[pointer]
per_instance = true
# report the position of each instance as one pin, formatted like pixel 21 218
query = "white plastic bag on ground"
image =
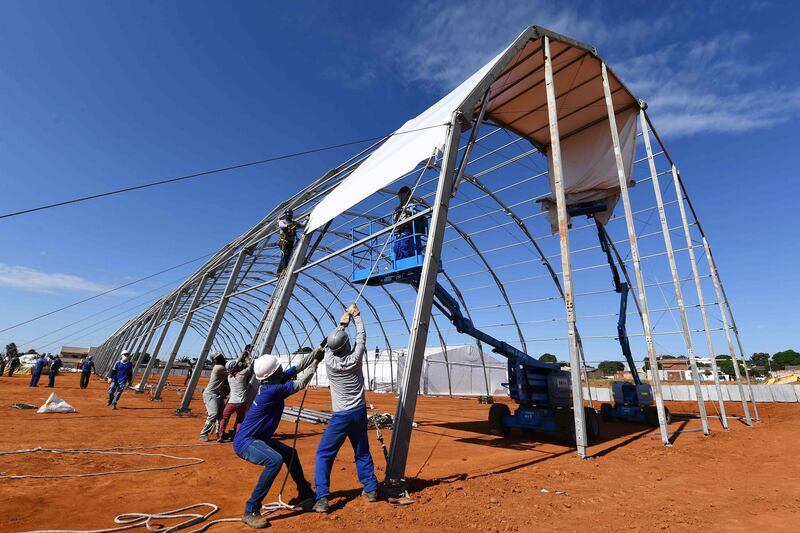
pixel 54 404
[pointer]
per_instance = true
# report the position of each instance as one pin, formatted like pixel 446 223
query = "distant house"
pixel 72 355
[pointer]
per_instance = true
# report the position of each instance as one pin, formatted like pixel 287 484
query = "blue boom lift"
pixel 542 390
pixel 633 402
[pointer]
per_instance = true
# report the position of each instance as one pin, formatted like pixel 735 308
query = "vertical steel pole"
pixel 723 315
pixel 566 261
pixel 151 364
pixel 148 339
pixel 187 320
pixel 267 332
pixel 637 265
pixel 673 267
pixel 723 417
pixel 409 386
pixel 212 330
pixel 736 334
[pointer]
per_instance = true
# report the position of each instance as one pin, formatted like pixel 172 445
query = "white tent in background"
pixel 459 372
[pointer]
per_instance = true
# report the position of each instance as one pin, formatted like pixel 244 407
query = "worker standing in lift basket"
pixel 407 236
pixel 239 373
pixel 254 440
pixel 287 228
pixel 214 396
pixel 349 405
pixel 120 376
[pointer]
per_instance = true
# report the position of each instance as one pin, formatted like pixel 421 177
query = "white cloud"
pixel 691 85
pixel 30 279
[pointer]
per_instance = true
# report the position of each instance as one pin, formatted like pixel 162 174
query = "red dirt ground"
pixel 463 477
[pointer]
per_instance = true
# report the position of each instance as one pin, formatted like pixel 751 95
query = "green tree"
pixel 725 365
pixel 548 358
pixel 31 351
pixel 304 349
pixel 760 359
pixel 608 368
pixel 786 357
pixel 11 350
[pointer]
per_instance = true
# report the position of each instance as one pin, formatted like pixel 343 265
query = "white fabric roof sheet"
pixel 517 103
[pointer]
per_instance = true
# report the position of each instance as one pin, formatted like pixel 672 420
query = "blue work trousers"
pixel 404 246
pixel 351 424
pixel 52 379
pixel 115 390
pixel 35 377
pixel 272 454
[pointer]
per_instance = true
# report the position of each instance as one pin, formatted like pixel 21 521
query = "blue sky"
pixel 100 95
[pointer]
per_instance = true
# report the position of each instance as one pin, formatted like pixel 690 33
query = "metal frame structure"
pixel 495 250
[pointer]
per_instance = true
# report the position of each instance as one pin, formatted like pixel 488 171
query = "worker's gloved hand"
pixel 353 310
pixel 319 355
pixel 345 320
pixel 109 380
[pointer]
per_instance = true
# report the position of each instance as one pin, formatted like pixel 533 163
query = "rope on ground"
pixel 136 520
pixel 105 451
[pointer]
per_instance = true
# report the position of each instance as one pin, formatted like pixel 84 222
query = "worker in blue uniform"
pixel 36 371
pixel 87 367
pixel 55 366
pixel 118 379
pixel 254 440
pixel 408 236
pixel 349 405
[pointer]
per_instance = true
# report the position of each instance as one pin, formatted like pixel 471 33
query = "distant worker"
pixel 36 371
pixel 254 441
pixel 13 365
pixel 288 234
pixel 349 405
pixel 55 365
pixel 119 378
pixel 188 377
pixel 239 374
pixel 87 367
pixel 408 236
pixel 214 396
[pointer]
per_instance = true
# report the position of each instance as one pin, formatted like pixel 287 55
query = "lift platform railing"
pixel 389 257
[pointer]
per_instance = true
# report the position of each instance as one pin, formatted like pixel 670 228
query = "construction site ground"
pixel 462 477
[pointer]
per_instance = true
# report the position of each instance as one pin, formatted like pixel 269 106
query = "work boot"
pixel 109 402
pixel 371 496
pixel 114 406
pixel 203 438
pixel 304 500
pixel 321 506
pixel 255 520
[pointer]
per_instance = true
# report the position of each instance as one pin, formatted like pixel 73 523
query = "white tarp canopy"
pixel 590 167
pixel 517 102
pixel 460 372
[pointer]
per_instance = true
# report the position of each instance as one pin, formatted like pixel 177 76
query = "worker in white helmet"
pixel 254 440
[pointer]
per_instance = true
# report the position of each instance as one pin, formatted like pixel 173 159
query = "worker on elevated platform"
pixel 119 378
pixel 349 405
pixel 254 440
pixel 287 228
pixel 408 241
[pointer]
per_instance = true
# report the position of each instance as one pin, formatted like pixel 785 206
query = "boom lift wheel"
pixel 605 412
pixel 651 415
pixel 496 414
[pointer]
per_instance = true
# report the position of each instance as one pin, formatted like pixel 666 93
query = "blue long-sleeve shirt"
pixel 122 373
pixel 87 365
pixel 264 415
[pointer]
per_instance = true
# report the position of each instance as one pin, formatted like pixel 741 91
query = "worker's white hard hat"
pixel 265 366
pixel 125 352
